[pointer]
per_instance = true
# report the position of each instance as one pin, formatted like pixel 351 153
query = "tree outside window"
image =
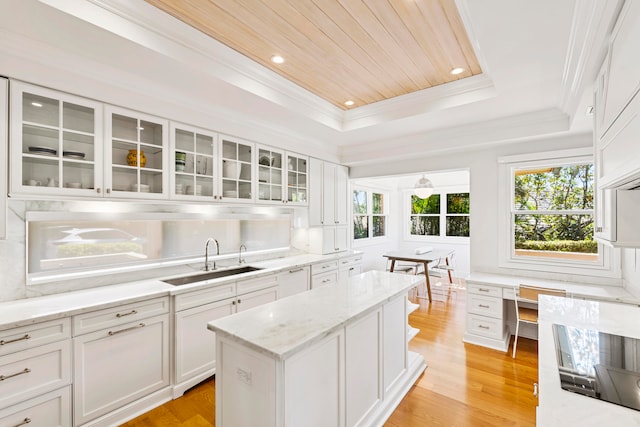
pixel 425 216
pixel 369 215
pixel 458 214
pixel 552 212
pixel 443 215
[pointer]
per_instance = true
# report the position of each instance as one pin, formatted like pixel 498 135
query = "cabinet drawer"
pixel 324 267
pixel 32 372
pixel 25 337
pixel 114 316
pixel 324 279
pixel 486 326
pixel 245 286
pixel 485 306
pixel 490 291
pixel 348 262
pixel 205 296
pixel 49 410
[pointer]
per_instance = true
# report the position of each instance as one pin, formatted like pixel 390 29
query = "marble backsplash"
pixel 13 280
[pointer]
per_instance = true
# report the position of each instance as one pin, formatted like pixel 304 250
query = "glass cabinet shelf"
pixel 194 163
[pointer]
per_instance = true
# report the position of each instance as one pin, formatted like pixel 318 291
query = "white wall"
pixel 483 169
pixel 631 270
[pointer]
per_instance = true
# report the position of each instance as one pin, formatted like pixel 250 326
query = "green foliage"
pixel 430 205
pixel 360 202
pixel 83 249
pixel 458 203
pixel 582 246
pixel 567 188
pixel 360 227
pixel 378 203
pixel 458 226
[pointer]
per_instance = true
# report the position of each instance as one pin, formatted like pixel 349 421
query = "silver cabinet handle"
pixel 483 290
pixel 598 229
pixel 352 268
pixel 25 421
pixel 108 191
pixel 140 325
pixel 296 270
pixel 98 190
pixel 483 327
pixel 233 302
pixel 483 306
pixel 127 314
pixel 239 300
pixel 25 337
pixel 326 280
pixel 6 377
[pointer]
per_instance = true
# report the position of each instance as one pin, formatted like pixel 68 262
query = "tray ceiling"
pixel 363 51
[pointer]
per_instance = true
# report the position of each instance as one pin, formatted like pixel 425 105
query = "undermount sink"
pixel 185 280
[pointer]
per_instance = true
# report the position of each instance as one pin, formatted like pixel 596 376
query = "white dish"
pixel 230 193
pixel 143 188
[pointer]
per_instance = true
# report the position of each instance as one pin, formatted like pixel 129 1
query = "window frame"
pixel 442 237
pixel 369 240
pixel 506 243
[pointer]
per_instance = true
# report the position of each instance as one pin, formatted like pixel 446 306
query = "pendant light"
pixel 423 188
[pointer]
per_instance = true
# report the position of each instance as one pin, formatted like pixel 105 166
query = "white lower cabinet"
pixel 485 317
pixel 394 358
pixel 291 282
pixel 349 266
pixel 117 370
pixel 364 368
pixel 35 374
pixel 52 409
pixel 256 298
pixel 195 351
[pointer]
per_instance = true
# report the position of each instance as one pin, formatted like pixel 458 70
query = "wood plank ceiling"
pixel 360 50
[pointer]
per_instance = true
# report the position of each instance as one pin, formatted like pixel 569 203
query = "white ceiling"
pixel 539 58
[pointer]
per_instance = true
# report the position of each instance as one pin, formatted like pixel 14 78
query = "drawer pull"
pixel 25 421
pixel 326 280
pixel 483 327
pixel 25 337
pixel 352 268
pixel 25 371
pixel 239 301
pixel 483 306
pixel 483 290
pixel 140 325
pixel 296 270
pixel 127 314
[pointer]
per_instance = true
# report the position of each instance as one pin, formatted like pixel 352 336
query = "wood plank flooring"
pixel 464 384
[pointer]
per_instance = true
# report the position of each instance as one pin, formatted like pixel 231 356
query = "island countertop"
pixel 559 407
pixel 284 327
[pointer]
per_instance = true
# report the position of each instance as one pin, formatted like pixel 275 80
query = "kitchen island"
pixel 333 356
pixel 558 407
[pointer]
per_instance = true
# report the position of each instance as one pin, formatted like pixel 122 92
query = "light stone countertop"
pixel 574 289
pixel 558 407
pixel 284 327
pixel 39 309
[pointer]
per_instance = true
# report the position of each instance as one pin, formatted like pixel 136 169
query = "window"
pixel 369 214
pixel 428 218
pixel 546 216
pixel 552 212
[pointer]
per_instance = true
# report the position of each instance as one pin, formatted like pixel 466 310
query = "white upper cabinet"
pixel 56 142
pixel 328 188
pixel 282 176
pixel 136 154
pixel 617 105
pixel 195 164
pixel 238 160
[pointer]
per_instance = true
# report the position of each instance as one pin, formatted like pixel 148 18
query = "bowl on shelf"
pixel 143 188
pixel 73 184
pixel 230 193
pixel 231 169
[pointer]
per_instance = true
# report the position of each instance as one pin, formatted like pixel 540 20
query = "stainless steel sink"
pixel 185 280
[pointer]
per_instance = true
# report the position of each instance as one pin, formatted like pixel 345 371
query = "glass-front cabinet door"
pixel 194 163
pixel 237 169
pixel 56 144
pixel 136 154
pixel 270 175
pixel 297 179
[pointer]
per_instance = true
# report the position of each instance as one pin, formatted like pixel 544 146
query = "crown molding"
pixel 591 28
pixel 473 136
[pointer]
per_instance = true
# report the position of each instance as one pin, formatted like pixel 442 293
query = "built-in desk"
pixel 491 315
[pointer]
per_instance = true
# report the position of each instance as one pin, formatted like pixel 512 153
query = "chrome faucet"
pixel 206 253
pixel 240 260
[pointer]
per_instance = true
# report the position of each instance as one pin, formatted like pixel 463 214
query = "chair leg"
pixel 515 341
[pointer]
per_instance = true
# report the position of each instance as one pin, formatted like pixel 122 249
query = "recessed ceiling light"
pixel 349 103
pixel 456 71
pixel 36 104
pixel 277 59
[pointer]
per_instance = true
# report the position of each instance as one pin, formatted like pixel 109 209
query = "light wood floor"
pixel 464 385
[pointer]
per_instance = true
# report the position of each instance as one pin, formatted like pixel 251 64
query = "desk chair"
pixel 527 306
